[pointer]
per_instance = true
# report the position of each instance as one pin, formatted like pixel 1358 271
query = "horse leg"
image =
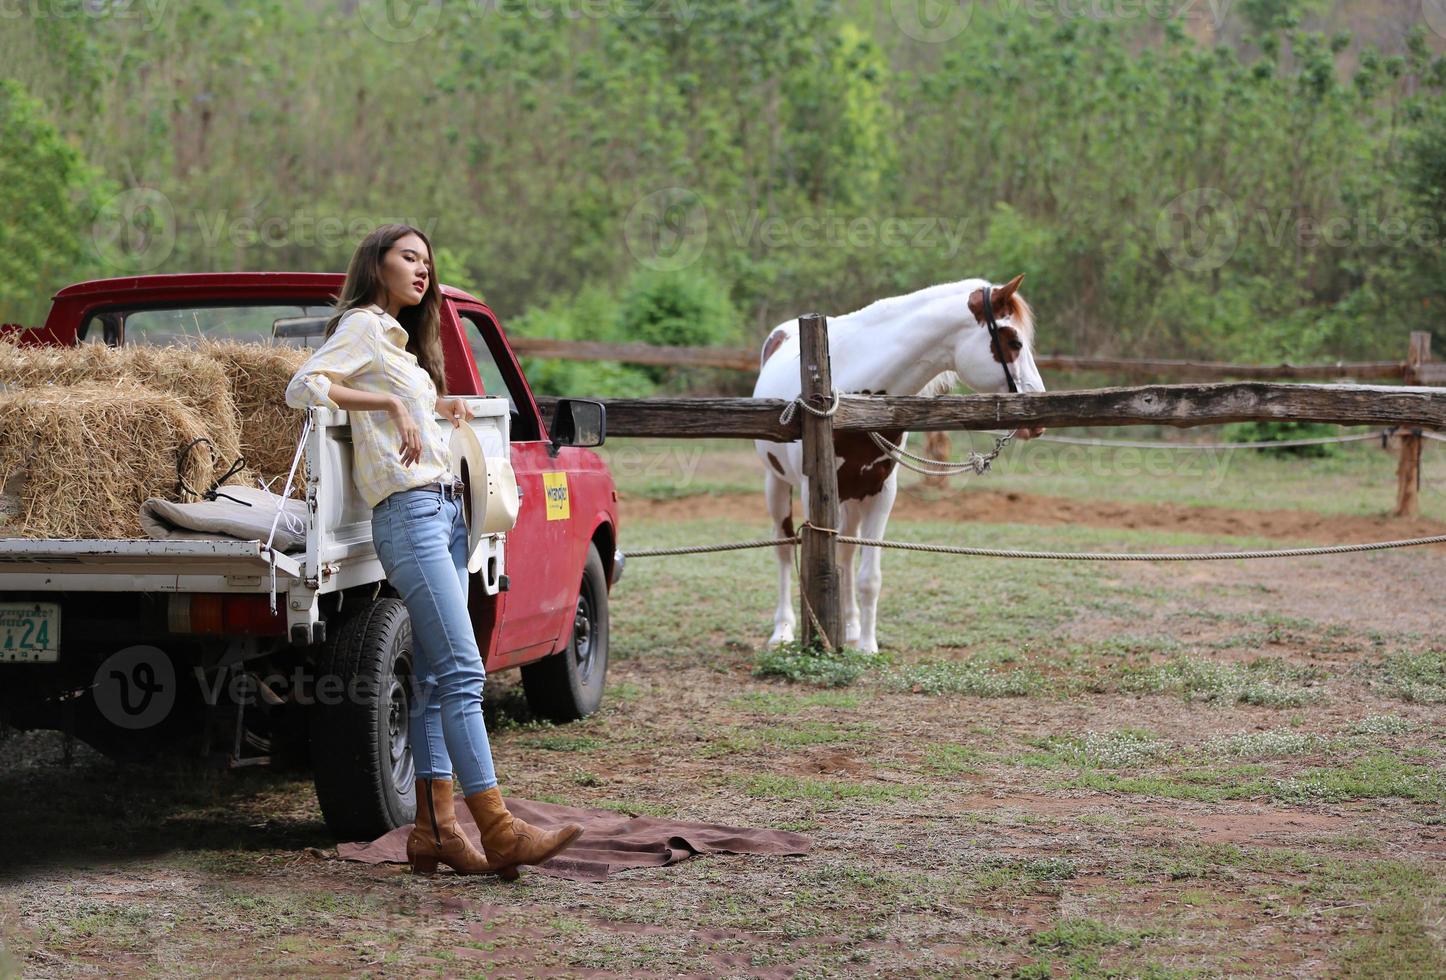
pixel 779 495
pixel 850 514
pixel 871 577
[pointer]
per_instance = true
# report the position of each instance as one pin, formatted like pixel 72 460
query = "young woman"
pixel 382 362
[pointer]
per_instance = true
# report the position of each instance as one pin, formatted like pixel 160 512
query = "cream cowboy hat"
pixel 491 504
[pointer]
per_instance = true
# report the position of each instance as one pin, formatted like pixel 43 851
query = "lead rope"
pixel 976 461
pixel 281 504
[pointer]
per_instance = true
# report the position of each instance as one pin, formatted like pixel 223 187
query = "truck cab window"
pixel 277 324
pixel 496 381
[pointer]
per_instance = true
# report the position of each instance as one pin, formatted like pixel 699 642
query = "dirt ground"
pixel 982 506
pixel 1219 769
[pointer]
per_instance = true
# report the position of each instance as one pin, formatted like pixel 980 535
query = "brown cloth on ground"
pixel 610 841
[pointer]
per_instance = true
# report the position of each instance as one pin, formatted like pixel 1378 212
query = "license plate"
pixel 29 632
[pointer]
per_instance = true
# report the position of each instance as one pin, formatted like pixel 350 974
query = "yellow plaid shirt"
pixel 368 351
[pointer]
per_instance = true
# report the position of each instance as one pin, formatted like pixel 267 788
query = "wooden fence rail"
pixel 1175 405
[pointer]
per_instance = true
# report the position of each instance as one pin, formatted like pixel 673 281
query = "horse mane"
pixel 942 384
pixel 1022 315
pixel 1016 309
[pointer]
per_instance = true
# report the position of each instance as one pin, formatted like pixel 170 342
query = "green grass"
pixel 1014 872
pixel 1093 750
pixel 932 607
pixel 1263 681
pixel 952 759
pixel 1245 765
pixel 969 677
pixel 1268 744
pixel 1383 725
pixel 804 665
pixel 1360 481
pixel 1419 677
pixel 788 703
pixel 1375 775
pixel 1074 934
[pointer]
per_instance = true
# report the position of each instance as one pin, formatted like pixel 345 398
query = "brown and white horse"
pixel 918 344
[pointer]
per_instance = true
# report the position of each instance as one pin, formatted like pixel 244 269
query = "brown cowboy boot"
pixel 509 841
pixel 436 836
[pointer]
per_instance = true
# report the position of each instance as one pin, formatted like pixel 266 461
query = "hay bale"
pixel 258 375
pixel 199 381
pixel 77 461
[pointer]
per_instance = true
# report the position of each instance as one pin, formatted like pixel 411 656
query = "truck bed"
pixel 338 555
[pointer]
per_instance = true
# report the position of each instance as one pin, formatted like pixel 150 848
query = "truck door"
pixel 540 572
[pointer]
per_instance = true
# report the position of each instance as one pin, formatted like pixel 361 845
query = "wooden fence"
pixel 748 418
pixel 1409 406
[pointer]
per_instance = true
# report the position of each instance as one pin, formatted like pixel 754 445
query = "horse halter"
pixel 994 336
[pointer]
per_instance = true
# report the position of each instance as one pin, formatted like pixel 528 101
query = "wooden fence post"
pixel 820 581
pixel 1408 470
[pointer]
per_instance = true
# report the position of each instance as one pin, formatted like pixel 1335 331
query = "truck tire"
pixel 569 685
pixel 360 749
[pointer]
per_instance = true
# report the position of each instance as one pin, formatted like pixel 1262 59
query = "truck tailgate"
pixel 89 564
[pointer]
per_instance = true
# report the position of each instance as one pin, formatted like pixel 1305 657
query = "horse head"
pixel 986 364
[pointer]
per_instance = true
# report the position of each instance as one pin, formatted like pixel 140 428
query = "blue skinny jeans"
pixel 420 537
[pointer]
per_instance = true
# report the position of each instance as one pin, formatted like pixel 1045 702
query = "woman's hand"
pixel 411 435
pixel 455 409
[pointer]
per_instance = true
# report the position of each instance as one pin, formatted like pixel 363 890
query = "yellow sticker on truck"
pixel 554 488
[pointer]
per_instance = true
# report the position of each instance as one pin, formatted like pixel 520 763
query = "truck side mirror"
pixel 577 422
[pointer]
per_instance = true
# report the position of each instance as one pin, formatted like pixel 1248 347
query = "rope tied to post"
pixel 792 407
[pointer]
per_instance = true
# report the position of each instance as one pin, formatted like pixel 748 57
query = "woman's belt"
pixel 454 489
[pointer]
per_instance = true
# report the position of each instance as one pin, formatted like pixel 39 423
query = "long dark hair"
pixel 423 321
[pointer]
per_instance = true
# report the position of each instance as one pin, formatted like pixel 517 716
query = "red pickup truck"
pixel 203 606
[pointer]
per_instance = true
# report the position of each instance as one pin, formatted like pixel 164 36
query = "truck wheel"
pixel 360 751
pixel 569 685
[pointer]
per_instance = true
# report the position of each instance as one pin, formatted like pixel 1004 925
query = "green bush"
pixel 686 308
pixel 590 315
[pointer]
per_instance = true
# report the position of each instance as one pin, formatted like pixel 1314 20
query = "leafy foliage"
pixel 1260 191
